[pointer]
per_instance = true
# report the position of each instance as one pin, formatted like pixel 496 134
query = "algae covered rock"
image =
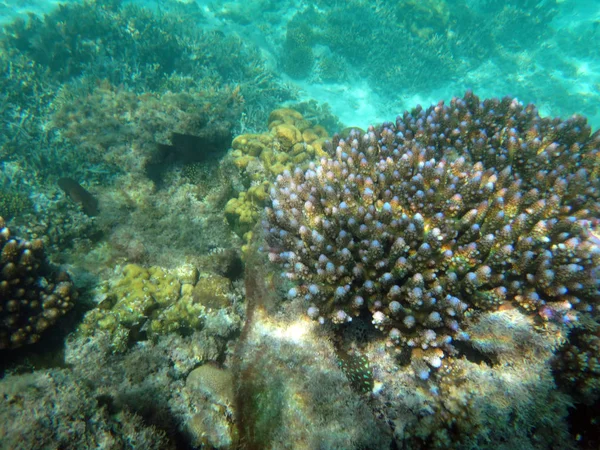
pixel 291 142
pixel 212 291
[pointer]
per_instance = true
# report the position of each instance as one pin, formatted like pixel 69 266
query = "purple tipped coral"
pixel 449 210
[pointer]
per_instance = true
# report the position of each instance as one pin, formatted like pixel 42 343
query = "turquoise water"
pixel 203 244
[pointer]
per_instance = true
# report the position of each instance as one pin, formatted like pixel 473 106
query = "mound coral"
pixel 144 295
pixel 32 296
pixel 291 142
pixel 152 302
pixel 449 211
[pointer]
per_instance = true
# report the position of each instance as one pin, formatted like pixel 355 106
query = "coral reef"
pixel 449 211
pixel 52 409
pixel 291 142
pixel 33 296
pixel 419 46
pixel 441 275
pixel 153 302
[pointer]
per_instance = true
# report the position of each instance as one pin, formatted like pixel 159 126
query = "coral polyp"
pixel 444 213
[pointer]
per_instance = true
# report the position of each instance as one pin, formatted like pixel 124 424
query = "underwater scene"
pixel 292 224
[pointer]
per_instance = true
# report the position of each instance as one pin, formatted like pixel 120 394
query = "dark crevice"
pixel 472 354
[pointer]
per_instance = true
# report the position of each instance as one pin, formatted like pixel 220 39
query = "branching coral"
pixel 450 210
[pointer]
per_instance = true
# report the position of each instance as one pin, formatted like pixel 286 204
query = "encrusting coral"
pixel 449 211
pixel 291 142
pixel 32 296
pixel 159 301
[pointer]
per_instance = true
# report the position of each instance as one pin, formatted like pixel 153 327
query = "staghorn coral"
pixel 33 297
pixel 449 211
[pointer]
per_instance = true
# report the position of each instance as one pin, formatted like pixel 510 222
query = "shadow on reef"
pixel 152 413
pixel 206 147
pixel 584 423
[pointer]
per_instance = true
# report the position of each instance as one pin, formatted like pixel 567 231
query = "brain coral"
pixel 450 210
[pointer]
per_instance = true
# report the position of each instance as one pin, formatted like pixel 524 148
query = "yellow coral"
pixel 291 142
pixel 287 135
pixel 162 301
pixel 241 213
pixel 186 313
pixel 284 115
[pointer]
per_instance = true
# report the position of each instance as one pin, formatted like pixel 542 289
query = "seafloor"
pixel 233 225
